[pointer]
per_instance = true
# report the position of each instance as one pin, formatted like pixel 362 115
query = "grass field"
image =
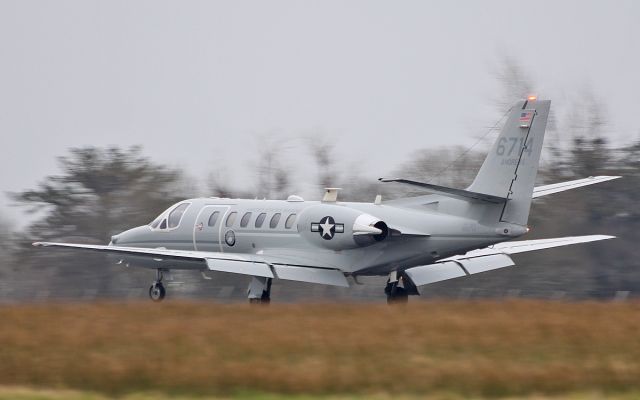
pixel 450 350
pixel 16 393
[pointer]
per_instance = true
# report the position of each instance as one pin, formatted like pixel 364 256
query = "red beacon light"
pixel 532 98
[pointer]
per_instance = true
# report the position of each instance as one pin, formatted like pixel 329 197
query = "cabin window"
pixel 176 215
pixel 290 220
pixel 274 221
pixel 231 219
pixel 213 218
pixel 163 225
pixel 260 220
pixel 245 220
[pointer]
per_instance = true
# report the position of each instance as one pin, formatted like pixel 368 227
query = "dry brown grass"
pixel 467 348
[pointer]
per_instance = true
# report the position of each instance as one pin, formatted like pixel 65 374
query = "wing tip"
pixel 607 237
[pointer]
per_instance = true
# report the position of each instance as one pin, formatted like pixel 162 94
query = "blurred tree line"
pixel 102 191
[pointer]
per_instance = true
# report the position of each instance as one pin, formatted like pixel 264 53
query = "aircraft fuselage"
pixel 323 234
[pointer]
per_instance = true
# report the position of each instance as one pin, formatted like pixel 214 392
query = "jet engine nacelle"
pixel 340 228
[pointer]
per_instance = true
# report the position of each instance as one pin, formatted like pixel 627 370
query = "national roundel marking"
pixel 327 227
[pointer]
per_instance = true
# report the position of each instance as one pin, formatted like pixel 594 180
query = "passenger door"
pixel 208 227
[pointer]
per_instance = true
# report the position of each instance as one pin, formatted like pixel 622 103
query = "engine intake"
pixel 384 231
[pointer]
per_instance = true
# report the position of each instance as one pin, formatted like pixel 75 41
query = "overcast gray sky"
pixel 196 81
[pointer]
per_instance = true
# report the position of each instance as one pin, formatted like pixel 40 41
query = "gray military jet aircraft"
pixel 415 241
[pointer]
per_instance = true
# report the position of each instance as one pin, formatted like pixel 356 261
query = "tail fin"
pixel 511 167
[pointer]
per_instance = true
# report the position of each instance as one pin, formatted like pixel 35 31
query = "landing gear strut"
pixel 398 288
pixel 157 290
pixel 259 291
pixel 395 293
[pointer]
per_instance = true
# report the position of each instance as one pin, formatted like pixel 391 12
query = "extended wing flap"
pixel 475 265
pixel 432 273
pixel 240 267
pixel 561 187
pixel 312 275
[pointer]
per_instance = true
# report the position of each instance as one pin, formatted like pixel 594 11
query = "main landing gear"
pixel 259 291
pixel 399 288
pixel 157 290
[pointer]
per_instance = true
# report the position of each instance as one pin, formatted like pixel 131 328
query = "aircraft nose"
pixel 121 238
pixel 129 236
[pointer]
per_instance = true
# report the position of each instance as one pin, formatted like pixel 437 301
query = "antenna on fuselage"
pixel 330 195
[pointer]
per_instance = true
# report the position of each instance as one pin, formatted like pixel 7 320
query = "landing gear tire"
pixel 398 295
pixel 157 292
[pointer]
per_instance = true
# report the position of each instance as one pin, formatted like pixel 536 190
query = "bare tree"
pixel 514 82
pixel 99 192
pixel 449 166
pixel 218 183
pixel 322 151
pixel 273 171
pixel 7 247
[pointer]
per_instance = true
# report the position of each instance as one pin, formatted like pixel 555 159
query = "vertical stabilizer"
pixel 511 167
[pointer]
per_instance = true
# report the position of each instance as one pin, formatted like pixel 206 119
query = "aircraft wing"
pixel 561 187
pixel 489 258
pixel 246 264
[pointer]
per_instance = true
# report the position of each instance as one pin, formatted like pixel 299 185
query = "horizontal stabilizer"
pixel 450 192
pixel 561 187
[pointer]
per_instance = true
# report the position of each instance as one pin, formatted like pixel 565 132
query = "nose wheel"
pixel 157 291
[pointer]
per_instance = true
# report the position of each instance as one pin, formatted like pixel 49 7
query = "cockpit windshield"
pixel 176 215
pixel 170 218
pixel 156 222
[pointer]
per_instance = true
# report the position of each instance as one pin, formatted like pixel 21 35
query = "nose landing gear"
pixel 157 291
